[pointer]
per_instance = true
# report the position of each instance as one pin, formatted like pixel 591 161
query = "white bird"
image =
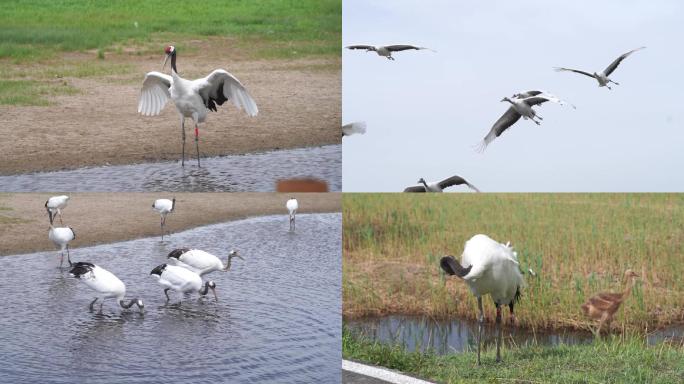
pixel 602 77
pixel 491 269
pixel 292 206
pixel 193 98
pixel 54 206
pixel 438 186
pixel 386 50
pixel 61 236
pixel 201 262
pixel 521 105
pixel 164 207
pixel 181 280
pixel 352 128
pixel 105 283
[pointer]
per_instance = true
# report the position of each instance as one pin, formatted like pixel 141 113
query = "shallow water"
pixel 256 172
pixel 449 336
pixel 277 319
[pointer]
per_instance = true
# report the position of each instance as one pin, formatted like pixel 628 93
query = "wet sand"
pixel 99 218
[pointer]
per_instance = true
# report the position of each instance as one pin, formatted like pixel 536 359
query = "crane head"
pixel 169 49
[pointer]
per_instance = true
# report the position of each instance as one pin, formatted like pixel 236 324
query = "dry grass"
pixel 578 244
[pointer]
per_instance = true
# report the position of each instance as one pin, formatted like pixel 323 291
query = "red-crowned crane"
pixel 386 50
pixel 489 268
pixel 355 127
pixel 602 77
pixel 201 262
pixel 105 283
pixel 164 207
pixel 181 280
pixel 292 206
pixel 439 186
pixel 193 98
pixel 54 206
pixel 521 105
pixel 61 236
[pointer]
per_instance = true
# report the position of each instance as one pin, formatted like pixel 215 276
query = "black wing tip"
pixel 158 270
pixel 80 268
pixel 177 253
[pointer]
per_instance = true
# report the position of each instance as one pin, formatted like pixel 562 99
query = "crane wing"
pixel 505 121
pixel 220 86
pixel 154 93
pixel 617 61
pixel 416 188
pixel 360 46
pixel 402 47
pixel 456 180
pixel 538 92
pixel 561 69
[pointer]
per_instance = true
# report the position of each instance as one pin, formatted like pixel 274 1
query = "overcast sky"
pixel 426 111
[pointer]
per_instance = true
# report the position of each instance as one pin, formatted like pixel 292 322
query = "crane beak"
pixel 214 291
pixel 165 60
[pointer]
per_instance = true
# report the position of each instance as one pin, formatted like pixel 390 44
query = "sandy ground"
pixel 99 218
pixel 299 105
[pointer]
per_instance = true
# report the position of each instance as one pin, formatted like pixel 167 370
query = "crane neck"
pixel 426 186
pixel 173 63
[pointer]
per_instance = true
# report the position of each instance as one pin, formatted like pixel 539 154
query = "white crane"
pixel 352 128
pixel 193 98
pixel 54 206
pixel 438 186
pixel 61 236
pixel 489 268
pixel 105 283
pixel 602 77
pixel 164 207
pixel 201 262
pixel 386 50
pixel 292 206
pixel 521 105
pixel 181 280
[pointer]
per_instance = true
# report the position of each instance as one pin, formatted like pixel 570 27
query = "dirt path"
pixel 108 217
pixel 299 105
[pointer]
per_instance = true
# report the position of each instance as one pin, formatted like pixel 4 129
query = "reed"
pixel 578 245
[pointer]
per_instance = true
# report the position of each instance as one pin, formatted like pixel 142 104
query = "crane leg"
pixel 183 136
pixel 197 145
pixel 499 333
pixel 68 256
pixel 92 303
pixel 479 328
pixel 61 260
pixel 166 292
pixel 59 212
pixel 161 226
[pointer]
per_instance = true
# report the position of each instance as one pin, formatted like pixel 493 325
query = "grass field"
pixel 578 244
pixel 619 359
pixel 36 29
pixel 35 35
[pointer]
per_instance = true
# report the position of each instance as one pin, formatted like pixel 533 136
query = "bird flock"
pixel 183 275
pixel 521 104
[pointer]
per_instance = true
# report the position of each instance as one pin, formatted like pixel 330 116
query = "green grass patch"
pixel 578 244
pixel 31 92
pixel 33 30
pixel 613 360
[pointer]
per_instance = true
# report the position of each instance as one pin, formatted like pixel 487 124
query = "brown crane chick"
pixel 603 306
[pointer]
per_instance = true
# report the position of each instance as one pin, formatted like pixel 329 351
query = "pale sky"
pixel 426 111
